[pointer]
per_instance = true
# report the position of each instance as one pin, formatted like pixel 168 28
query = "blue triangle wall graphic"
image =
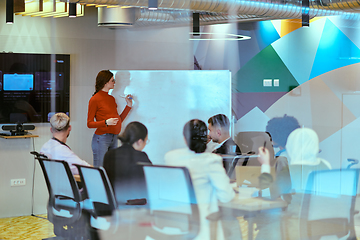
pixel 335 50
pixel 265 33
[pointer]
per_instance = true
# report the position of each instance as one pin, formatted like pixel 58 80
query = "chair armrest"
pixel 66 202
pixel 214 216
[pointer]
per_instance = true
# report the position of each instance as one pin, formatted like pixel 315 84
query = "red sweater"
pixel 102 106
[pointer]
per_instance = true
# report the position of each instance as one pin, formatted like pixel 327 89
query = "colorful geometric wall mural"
pixel 317 70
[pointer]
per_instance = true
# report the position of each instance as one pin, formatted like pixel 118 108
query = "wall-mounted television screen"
pixel 33 86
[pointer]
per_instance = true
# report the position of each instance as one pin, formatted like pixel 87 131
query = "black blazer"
pixel 126 177
pixel 227 148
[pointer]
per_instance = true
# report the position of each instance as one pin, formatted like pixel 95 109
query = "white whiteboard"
pixel 165 100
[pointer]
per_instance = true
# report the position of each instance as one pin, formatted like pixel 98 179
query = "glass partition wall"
pixel 265 75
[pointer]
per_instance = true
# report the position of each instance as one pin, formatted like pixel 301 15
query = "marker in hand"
pixel 124 96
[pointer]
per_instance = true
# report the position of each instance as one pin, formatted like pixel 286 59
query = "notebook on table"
pixel 249 175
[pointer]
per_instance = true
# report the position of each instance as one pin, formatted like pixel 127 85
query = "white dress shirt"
pixel 53 149
pixel 209 179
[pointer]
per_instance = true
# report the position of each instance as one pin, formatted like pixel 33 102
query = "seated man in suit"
pixel 219 126
pixel 56 147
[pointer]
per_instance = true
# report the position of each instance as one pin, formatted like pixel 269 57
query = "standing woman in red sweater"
pixel 103 116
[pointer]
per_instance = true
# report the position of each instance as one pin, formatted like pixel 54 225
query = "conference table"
pixel 244 204
pixel 132 223
pixel 230 161
pixel 77 178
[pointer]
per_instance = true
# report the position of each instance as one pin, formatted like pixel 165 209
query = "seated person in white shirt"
pixel 56 147
pixel 210 181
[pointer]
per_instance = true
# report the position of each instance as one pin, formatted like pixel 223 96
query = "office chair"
pixel 36 156
pixel 172 202
pixel 230 162
pixel 64 208
pixel 99 200
pixel 249 142
pixel 328 205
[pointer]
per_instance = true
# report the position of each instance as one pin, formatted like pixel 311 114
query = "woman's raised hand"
pixel 129 99
pixel 264 156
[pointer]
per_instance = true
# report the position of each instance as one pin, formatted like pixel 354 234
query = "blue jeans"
pixel 100 145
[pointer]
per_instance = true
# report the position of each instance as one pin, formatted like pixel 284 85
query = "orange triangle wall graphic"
pixel 290 25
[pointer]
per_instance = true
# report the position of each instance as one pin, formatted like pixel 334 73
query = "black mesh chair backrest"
pixel 64 197
pixel 98 190
pixel 172 199
pixel 328 204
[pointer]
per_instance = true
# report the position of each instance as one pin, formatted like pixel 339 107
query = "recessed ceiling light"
pixel 218 36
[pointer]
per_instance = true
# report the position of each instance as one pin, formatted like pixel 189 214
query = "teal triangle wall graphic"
pixel 335 50
pixel 265 65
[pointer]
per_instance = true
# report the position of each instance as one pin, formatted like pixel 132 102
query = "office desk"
pixel 250 206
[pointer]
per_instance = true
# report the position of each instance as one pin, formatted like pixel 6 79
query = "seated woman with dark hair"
pixel 207 173
pixel 126 176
